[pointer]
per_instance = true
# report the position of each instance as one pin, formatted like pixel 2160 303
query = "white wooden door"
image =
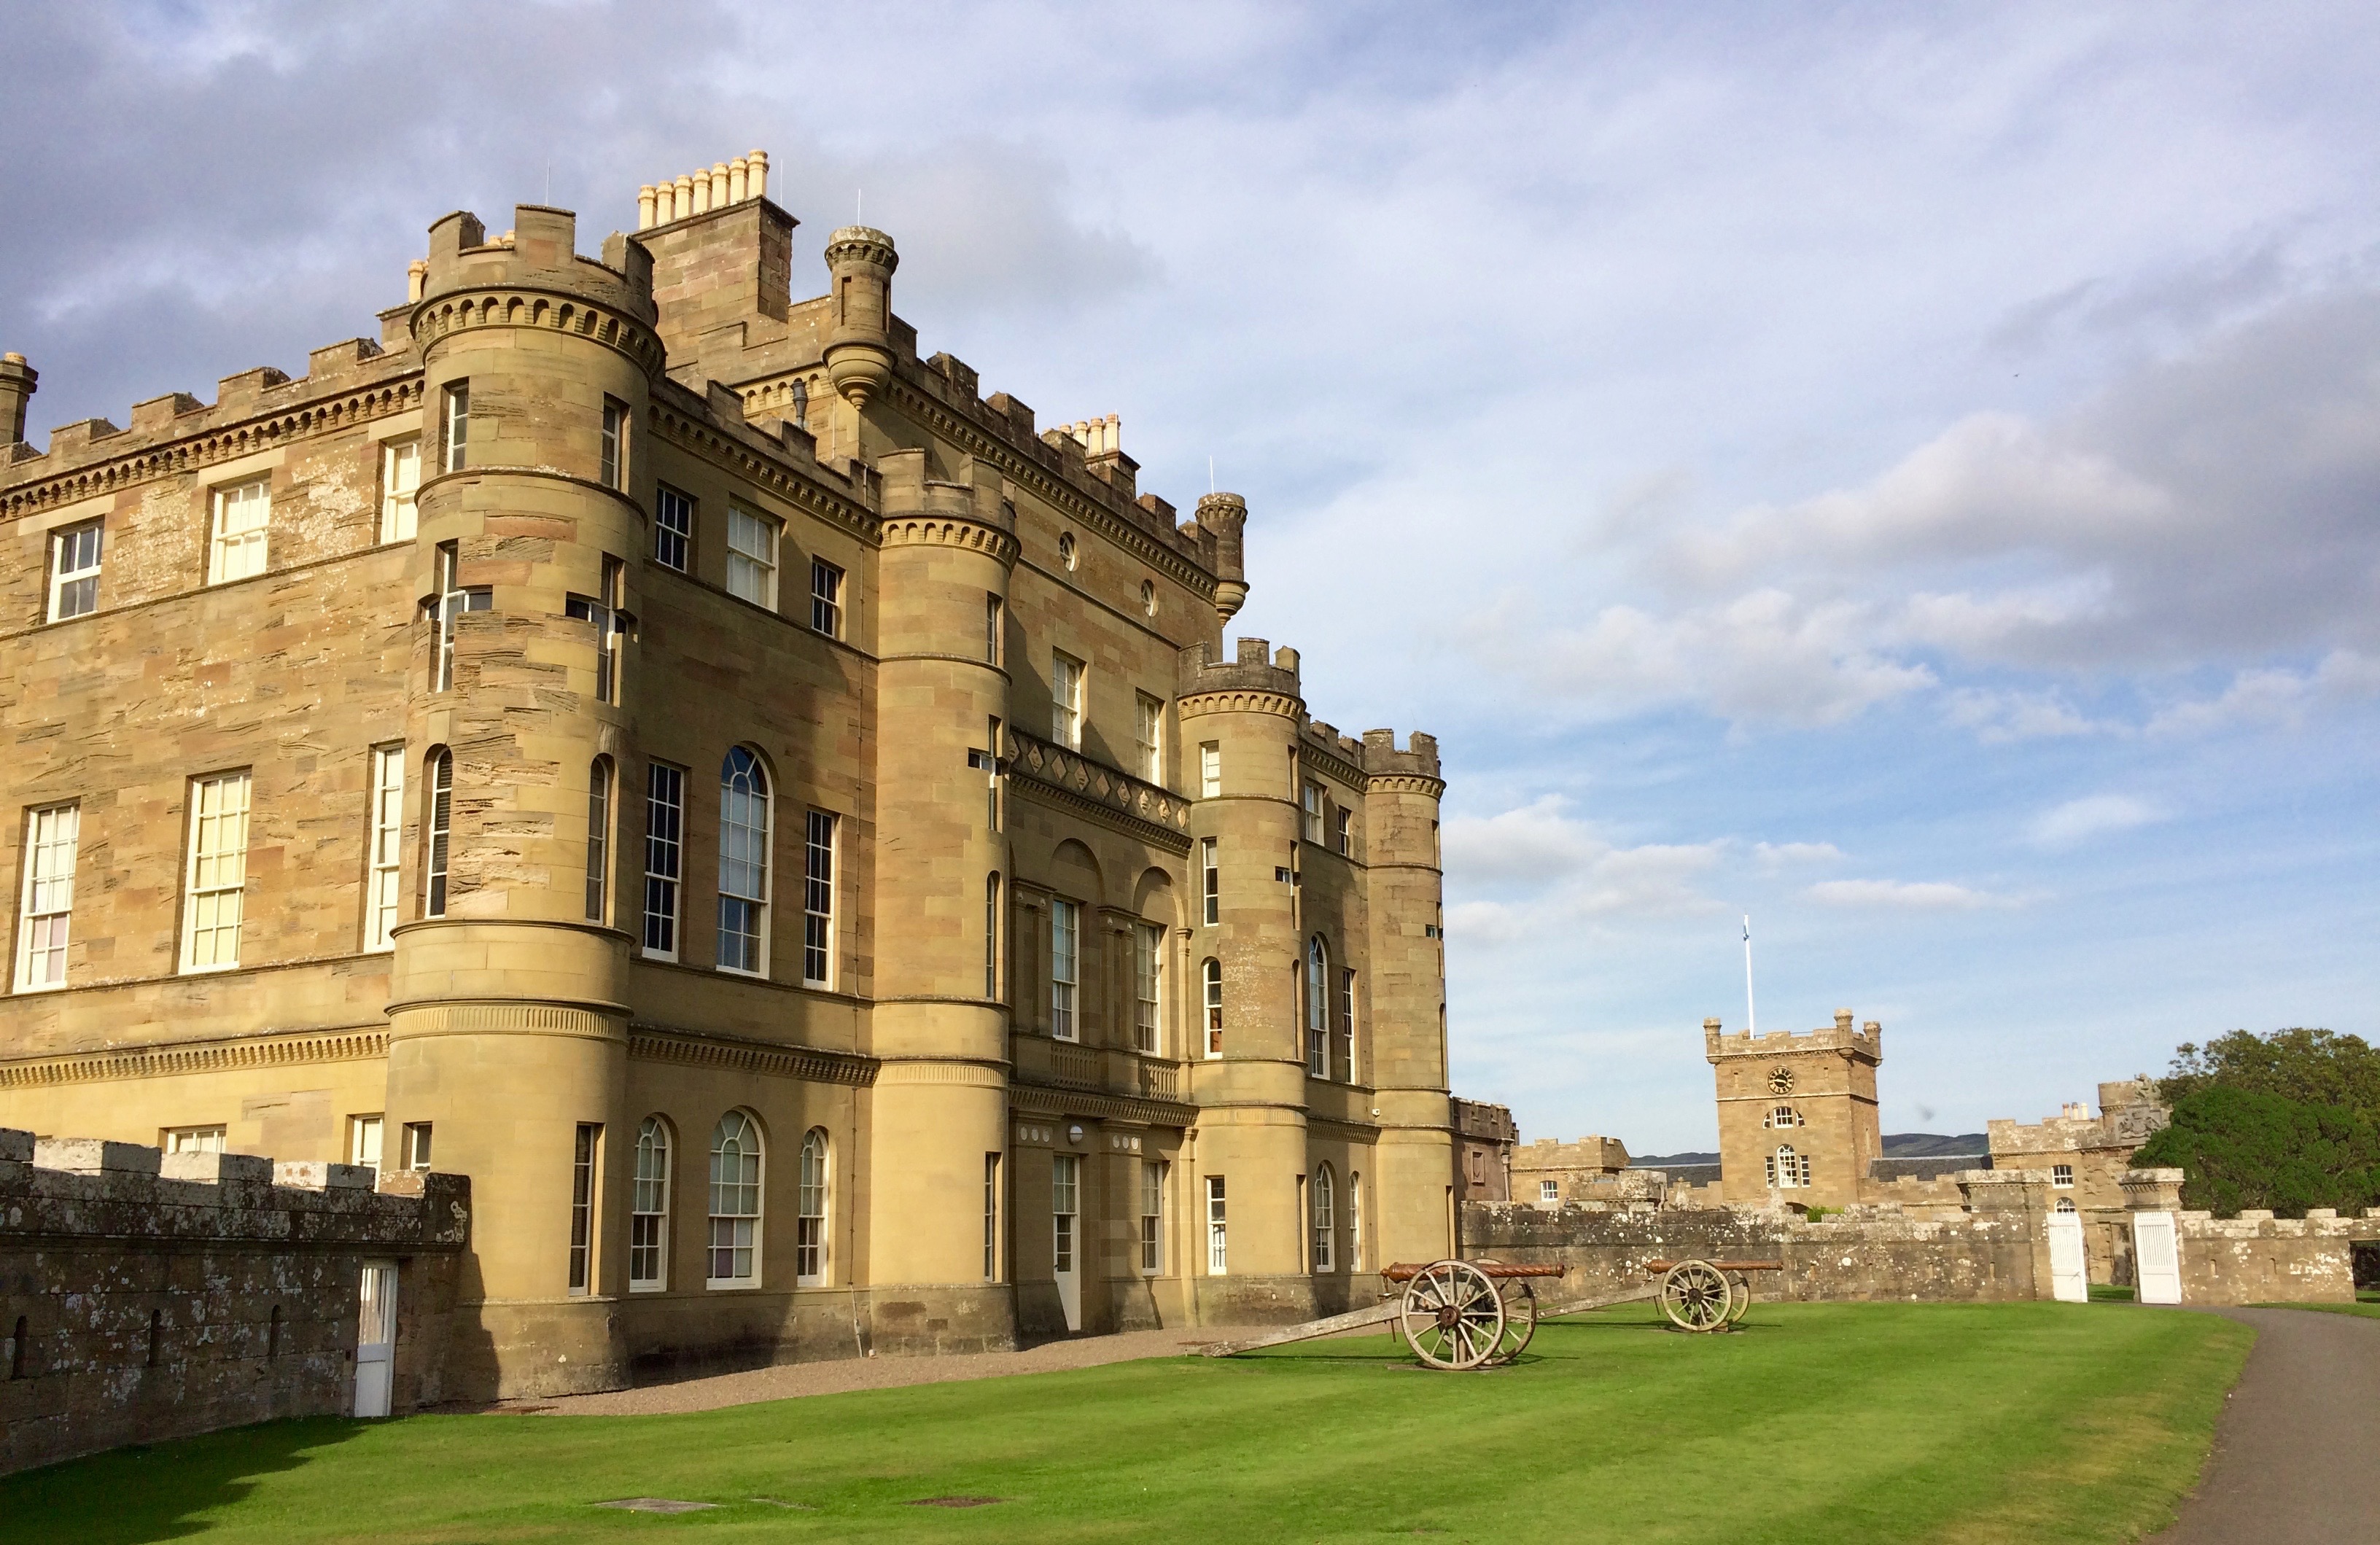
pixel 1065 1193
pixel 2156 1258
pixel 2070 1277
pixel 375 1338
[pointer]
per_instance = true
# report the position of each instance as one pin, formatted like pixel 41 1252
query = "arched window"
pixel 1788 1170
pixel 1212 973
pixel 1325 1219
pixel 439 831
pixel 2065 1204
pixel 743 864
pixel 809 1223
pixel 648 1210
pixel 1317 1008
pixel 734 1202
pixel 598 837
pixel 1781 1116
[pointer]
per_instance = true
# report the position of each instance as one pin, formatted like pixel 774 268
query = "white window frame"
pixel 194 1139
pixel 1210 976
pixel 1148 987
pixel 365 1135
pixel 1066 700
pixel 586 1155
pixel 602 783
pixel 821 835
pixel 664 860
pixel 826 598
pixel 1217 1240
pixel 215 877
pixel 744 842
pixel 383 883
pixel 1210 881
pixel 438 833
pixel 673 528
pixel 239 529
pixel 2062 1177
pixel 1065 1212
pixel 991 1217
pixel 1066 970
pixel 74 569
pixel 1317 1008
pixel 1153 1176
pixel 743 1237
pixel 1210 768
pixel 1355 1220
pixel 1148 738
pixel 813 1189
pixel 649 1207
pixel 1347 1018
pixel 1325 1219
pixel 1311 799
pixel 400 481
pixel 752 557
pixel 417 1144
pixel 611 461
pixel 455 446
pixel 1549 1190
pixel 45 909
pixel 454 599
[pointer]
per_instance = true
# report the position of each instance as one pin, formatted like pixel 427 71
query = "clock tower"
pixel 1797 1116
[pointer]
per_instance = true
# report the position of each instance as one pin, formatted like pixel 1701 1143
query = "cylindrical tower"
pixel 1415 1183
pixel 507 1029
pixel 1251 1089
pixel 939 1110
pixel 860 261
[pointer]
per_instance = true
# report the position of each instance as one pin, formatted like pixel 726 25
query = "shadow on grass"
pixel 130 1496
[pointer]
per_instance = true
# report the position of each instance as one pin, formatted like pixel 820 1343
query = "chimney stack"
pixel 17 380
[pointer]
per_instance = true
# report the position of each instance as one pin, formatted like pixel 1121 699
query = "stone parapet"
pixel 157 1295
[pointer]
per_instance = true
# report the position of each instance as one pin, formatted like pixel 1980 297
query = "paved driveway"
pixel 2297 1453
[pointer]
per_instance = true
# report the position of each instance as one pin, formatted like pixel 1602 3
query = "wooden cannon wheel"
pixel 1696 1296
pixel 1519 1310
pixel 1740 1301
pixel 1453 1315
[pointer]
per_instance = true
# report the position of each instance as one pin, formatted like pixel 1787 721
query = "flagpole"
pixel 1752 1018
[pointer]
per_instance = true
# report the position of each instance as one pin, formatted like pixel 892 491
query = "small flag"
pixel 1747 928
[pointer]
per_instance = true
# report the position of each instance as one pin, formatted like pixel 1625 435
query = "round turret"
pixel 860 260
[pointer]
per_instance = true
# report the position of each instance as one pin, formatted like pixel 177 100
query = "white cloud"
pixel 1546 871
pixel 2079 819
pixel 1924 896
pixel 2267 697
pixel 1999 716
pixel 1778 855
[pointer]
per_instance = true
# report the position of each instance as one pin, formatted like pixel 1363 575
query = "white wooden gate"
pixel 375 1338
pixel 2070 1276
pixel 2156 1258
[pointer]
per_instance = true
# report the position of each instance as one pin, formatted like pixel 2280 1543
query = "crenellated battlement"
pixel 539 254
pixel 1865 1043
pixel 1418 760
pixel 1258 677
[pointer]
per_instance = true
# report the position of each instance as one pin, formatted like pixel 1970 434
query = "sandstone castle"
pixel 788 829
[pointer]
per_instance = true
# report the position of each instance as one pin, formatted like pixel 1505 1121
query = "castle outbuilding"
pixel 1797 1114
pixel 787 827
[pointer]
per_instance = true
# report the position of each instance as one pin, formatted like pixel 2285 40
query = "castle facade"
pixel 787 828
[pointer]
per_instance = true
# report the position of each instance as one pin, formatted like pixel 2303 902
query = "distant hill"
pixel 1927 1145
pixel 1897 1145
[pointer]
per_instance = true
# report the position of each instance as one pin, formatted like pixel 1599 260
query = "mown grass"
pixel 2368 1310
pixel 1833 1423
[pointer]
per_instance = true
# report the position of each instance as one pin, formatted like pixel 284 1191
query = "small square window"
pixel 1550 1190
pixel 2062 1176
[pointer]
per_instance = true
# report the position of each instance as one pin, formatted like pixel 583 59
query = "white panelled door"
pixel 375 1338
pixel 1066 1192
pixel 2156 1258
pixel 2069 1278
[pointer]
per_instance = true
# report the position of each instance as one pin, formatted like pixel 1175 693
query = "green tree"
pixel 2316 1068
pixel 2243 1147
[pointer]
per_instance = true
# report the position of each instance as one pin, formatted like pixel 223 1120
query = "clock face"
pixel 1782 1081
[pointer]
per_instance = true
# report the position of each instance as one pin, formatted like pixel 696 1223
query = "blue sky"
pixel 1908 473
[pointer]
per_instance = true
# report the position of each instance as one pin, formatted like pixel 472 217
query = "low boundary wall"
pixel 144 1296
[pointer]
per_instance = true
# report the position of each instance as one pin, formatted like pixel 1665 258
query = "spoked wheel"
pixel 1453 1316
pixel 1695 1296
pixel 1520 1322
pixel 1739 1298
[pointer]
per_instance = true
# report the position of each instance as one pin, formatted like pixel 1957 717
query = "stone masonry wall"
pixel 145 1296
pixel 2258 1258
pixel 1986 1256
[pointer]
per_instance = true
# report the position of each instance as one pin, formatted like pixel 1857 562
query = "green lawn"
pixel 1833 1423
pixel 2360 1307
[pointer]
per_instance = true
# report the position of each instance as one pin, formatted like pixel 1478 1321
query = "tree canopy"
pixel 2315 1067
pixel 2242 1147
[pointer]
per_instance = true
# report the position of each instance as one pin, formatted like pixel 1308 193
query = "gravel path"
pixel 2297 1452
pixel 837 1376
